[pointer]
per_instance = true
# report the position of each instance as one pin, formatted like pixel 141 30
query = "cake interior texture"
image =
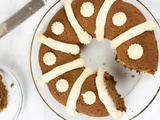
pixel 3 95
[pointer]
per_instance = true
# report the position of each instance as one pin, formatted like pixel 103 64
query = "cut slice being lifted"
pixel 108 94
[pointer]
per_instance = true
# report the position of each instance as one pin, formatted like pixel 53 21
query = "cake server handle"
pixel 21 16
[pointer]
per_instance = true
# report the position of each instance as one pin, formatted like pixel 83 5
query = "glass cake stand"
pixel 15 95
pixel 138 91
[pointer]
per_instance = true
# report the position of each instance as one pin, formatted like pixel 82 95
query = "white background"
pixel 14 54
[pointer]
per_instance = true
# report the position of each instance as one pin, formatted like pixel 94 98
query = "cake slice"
pixel 139 52
pixel 95 87
pixel 108 94
pixel 3 95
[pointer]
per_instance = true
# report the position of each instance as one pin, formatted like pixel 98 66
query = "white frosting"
pixel 104 97
pixel 133 32
pixel 49 58
pixel 62 85
pixel 83 36
pixel 87 9
pixel 135 51
pixel 89 97
pixel 56 45
pixel 119 19
pixel 101 19
pixel 75 92
pixel 57 28
pixel 59 70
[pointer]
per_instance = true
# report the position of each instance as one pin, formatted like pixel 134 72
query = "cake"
pixel 3 95
pixel 72 27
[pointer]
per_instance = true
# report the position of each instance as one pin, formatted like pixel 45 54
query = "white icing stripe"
pixel 59 70
pixel 75 92
pixel 104 97
pixel 56 45
pixel 83 36
pixel 133 32
pixel 101 19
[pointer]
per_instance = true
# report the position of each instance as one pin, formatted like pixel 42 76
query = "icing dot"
pixel 135 51
pixel 49 58
pixel 62 85
pixel 119 19
pixel 89 97
pixel 57 28
pixel 87 9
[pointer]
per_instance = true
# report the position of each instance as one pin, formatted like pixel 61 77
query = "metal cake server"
pixel 21 16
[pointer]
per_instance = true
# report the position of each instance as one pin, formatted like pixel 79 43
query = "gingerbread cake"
pixel 74 26
pixel 3 95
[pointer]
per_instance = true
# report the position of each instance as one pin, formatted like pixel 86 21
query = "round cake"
pixel 72 27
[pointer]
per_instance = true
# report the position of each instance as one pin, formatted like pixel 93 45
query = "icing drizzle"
pixel 104 97
pixel 75 92
pixel 101 19
pixel 56 45
pixel 59 70
pixel 83 36
pixel 133 32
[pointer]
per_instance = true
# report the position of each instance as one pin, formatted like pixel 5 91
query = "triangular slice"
pixel 148 61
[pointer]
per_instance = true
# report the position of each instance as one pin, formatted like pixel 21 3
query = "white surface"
pixel 14 52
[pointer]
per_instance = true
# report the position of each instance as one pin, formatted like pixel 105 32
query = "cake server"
pixel 21 16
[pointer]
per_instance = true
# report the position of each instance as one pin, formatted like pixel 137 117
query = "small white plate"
pixel 138 91
pixel 15 96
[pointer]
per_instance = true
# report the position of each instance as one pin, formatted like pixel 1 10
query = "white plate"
pixel 138 91
pixel 15 95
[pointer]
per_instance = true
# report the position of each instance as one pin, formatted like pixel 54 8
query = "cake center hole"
pixel 97 54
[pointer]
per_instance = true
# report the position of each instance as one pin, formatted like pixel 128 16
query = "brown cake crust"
pixel 3 95
pixel 134 17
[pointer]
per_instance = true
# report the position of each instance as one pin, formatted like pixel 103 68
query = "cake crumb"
pixel 12 85
pixel 133 76
pixel 3 95
pixel 104 64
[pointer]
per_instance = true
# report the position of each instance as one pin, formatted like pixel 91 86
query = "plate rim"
pixel 32 70
pixel 21 93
